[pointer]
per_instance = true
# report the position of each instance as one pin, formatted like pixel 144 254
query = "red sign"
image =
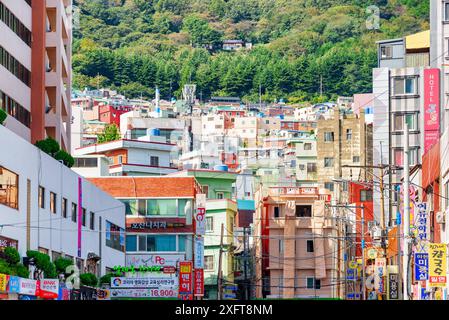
pixel 185 277
pixel 431 107
pixel 169 269
pixel 185 296
pixel 7 242
pixel 199 282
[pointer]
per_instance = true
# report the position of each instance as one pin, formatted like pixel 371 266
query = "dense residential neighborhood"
pixel 112 195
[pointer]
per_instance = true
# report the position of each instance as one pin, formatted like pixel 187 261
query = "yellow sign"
pixel 352 264
pixel 437 264
pixel 3 280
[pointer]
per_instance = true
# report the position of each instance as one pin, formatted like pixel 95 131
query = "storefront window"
pixel 184 207
pixel 165 207
pixel 9 188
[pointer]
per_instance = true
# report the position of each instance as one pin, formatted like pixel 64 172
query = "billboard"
pixel 199 282
pixel 437 265
pixel 143 293
pixel 145 283
pixel 185 277
pixel 431 107
pixel 148 260
pixel 28 287
pixel 49 288
pixel 199 253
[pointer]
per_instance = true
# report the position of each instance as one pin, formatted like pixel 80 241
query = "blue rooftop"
pixel 246 205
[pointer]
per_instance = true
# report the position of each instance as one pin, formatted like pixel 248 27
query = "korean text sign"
pixel 421 266
pixel 437 264
pixel 185 277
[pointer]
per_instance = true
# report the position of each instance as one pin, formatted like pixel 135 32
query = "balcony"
pixel 120 169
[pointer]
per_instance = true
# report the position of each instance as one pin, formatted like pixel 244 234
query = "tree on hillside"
pixel 111 133
pixel 200 32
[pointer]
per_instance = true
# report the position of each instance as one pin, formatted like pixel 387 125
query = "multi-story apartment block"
pixel 341 142
pixel 35 68
pixel 401 84
pixel 296 244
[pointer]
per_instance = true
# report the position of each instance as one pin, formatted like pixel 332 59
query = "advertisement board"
pixel 28 287
pixel 200 215
pixel 3 282
pixel 163 260
pixel 421 266
pixel 199 282
pixel 8 242
pixel 13 284
pixel 146 283
pixel 437 264
pixel 143 293
pixel 431 107
pixel 49 288
pixel 185 277
pixel 103 294
pixel 393 286
pixel 199 253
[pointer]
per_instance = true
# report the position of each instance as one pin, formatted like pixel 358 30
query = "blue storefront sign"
pixel 14 284
pixel 351 274
pixel 424 295
pixel 421 266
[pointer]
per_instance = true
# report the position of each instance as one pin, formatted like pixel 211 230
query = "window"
pixel 311 168
pixel 309 245
pixel 329 186
pixel 161 243
pixel 83 216
pixel 92 221
pixel 182 243
pixel 120 159
pixel 15 67
pixel 162 207
pixel 281 246
pixel 307 146
pixel 328 162
pixel 41 197
pixel 209 224
pixel 184 207
pixel 86 162
pixel 276 212
pixel 313 283
pixel 52 202
pixel 398 154
pixel 115 236
pixel 154 161
pixel 366 195
pixel 14 24
pixel 131 243
pixel 130 206
pixel 303 211
pixel 64 208
pixel 220 195
pixel 74 207
pixel 446 11
pixel 328 136
pixel 13 108
pixel 404 86
pixel 310 282
pixel 356 159
pixel 386 52
pixel 205 190
pixel 348 134
pixel 9 188
pixel 209 263
pixel 398 121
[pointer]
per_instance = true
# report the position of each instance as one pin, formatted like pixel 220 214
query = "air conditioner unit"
pixel 440 217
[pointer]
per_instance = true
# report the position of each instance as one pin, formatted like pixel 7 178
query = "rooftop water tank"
pixel 221 168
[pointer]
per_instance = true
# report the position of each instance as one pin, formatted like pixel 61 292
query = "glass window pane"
pixel 142 243
pixel 151 243
pixel 166 207
pixel 9 188
pixel 182 243
pixel 409 85
pixel 165 243
pixel 130 207
pixel 184 207
pixel 398 86
pixel 131 243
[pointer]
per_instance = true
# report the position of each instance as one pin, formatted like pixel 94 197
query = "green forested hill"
pixel 135 45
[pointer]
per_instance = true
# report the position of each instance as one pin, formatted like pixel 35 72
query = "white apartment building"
pixel 41 205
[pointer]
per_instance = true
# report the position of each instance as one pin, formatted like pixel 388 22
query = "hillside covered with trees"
pixel 135 45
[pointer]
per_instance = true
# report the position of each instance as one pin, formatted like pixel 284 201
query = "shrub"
pixel 3 116
pixel 5 267
pixel 62 264
pixel 22 271
pixel 12 255
pixel 89 279
pixel 43 263
pixel 66 158
pixel 49 146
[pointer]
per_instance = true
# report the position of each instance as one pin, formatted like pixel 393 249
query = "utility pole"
pixel 245 263
pixel 220 273
pixel 406 210
pixel 363 253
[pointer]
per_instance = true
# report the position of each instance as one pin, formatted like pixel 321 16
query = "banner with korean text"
pixel 437 264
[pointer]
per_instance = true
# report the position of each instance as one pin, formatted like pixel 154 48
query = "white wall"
pixel 49 230
pixel 143 156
